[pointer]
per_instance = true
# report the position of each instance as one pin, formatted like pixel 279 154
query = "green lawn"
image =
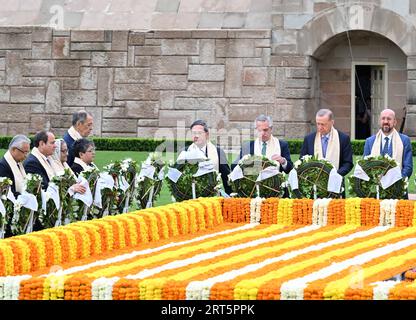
pixel 102 158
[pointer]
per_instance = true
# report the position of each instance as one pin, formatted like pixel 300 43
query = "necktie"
pixel 386 147
pixel 20 167
pixel 324 145
pixel 263 149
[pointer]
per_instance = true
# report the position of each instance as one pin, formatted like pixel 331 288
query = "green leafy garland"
pixel 252 166
pixel 206 185
pixel 312 171
pixel 145 184
pixel 376 168
pixel 21 215
pixel 50 217
pixel 91 175
pixel 5 184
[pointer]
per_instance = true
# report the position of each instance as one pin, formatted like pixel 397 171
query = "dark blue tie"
pixel 324 145
pixel 386 147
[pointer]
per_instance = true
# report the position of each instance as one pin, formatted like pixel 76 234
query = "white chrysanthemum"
pixel 297 164
pixel 306 157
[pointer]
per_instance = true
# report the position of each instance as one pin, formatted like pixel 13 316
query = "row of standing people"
pixel 74 151
pixel 326 143
pixel 49 156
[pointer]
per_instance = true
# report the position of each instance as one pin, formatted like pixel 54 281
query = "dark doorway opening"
pixel 362 101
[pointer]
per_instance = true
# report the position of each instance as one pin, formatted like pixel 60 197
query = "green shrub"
pixel 145 144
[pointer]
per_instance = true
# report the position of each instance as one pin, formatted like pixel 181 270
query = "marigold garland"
pixel 297 239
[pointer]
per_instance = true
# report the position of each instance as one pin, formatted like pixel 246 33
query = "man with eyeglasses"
pixel 200 138
pixel 11 165
pixel 82 125
pixel 84 151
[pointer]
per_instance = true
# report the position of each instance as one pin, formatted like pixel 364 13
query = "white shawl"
pixel 18 171
pixel 74 133
pixel 212 153
pixel 60 167
pixel 332 150
pixel 273 147
pixel 81 163
pixel 397 146
pixel 48 167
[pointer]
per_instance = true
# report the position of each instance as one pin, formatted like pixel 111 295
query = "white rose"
pixel 297 164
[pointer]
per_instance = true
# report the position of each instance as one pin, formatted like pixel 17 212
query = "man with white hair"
pixel 389 141
pixel 329 143
pixel 11 165
pixel 267 145
pixel 82 123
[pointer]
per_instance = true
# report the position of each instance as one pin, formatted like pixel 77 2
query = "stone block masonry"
pixel 140 83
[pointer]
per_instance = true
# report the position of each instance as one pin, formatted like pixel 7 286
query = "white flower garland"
pixel 320 212
pixel 199 289
pixel 255 209
pixel 382 288
pixel 10 286
pixel 293 289
pixel 388 212
pixel 102 288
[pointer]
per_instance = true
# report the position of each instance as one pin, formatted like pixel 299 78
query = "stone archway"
pixel 352 18
pixel 338 62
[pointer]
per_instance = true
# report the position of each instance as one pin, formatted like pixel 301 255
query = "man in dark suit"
pixel 11 164
pixel 82 124
pixel 389 141
pixel 39 161
pixel 267 145
pixel 329 143
pixel 200 137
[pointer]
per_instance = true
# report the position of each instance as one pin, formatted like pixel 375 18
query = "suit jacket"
pixel 224 168
pixel 345 154
pixel 32 165
pixel 248 148
pixel 77 169
pixel 407 165
pixel 6 171
pixel 70 143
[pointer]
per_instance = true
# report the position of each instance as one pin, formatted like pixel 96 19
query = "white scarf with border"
pixel 74 133
pixel 273 147
pixel 60 167
pixel 397 145
pixel 332 150
pixel 83 164
pixel 18 171
pixel 212 153
pixel 48 167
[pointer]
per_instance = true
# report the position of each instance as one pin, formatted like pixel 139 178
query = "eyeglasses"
pixel 197 133
pixel 24 152
pixel 64 151
pixel 92 150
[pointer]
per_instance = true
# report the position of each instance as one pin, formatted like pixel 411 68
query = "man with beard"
pixel 389 141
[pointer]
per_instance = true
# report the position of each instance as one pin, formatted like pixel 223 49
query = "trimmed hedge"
pixel 150 145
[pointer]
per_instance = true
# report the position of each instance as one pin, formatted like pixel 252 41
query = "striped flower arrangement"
pixel 214 248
